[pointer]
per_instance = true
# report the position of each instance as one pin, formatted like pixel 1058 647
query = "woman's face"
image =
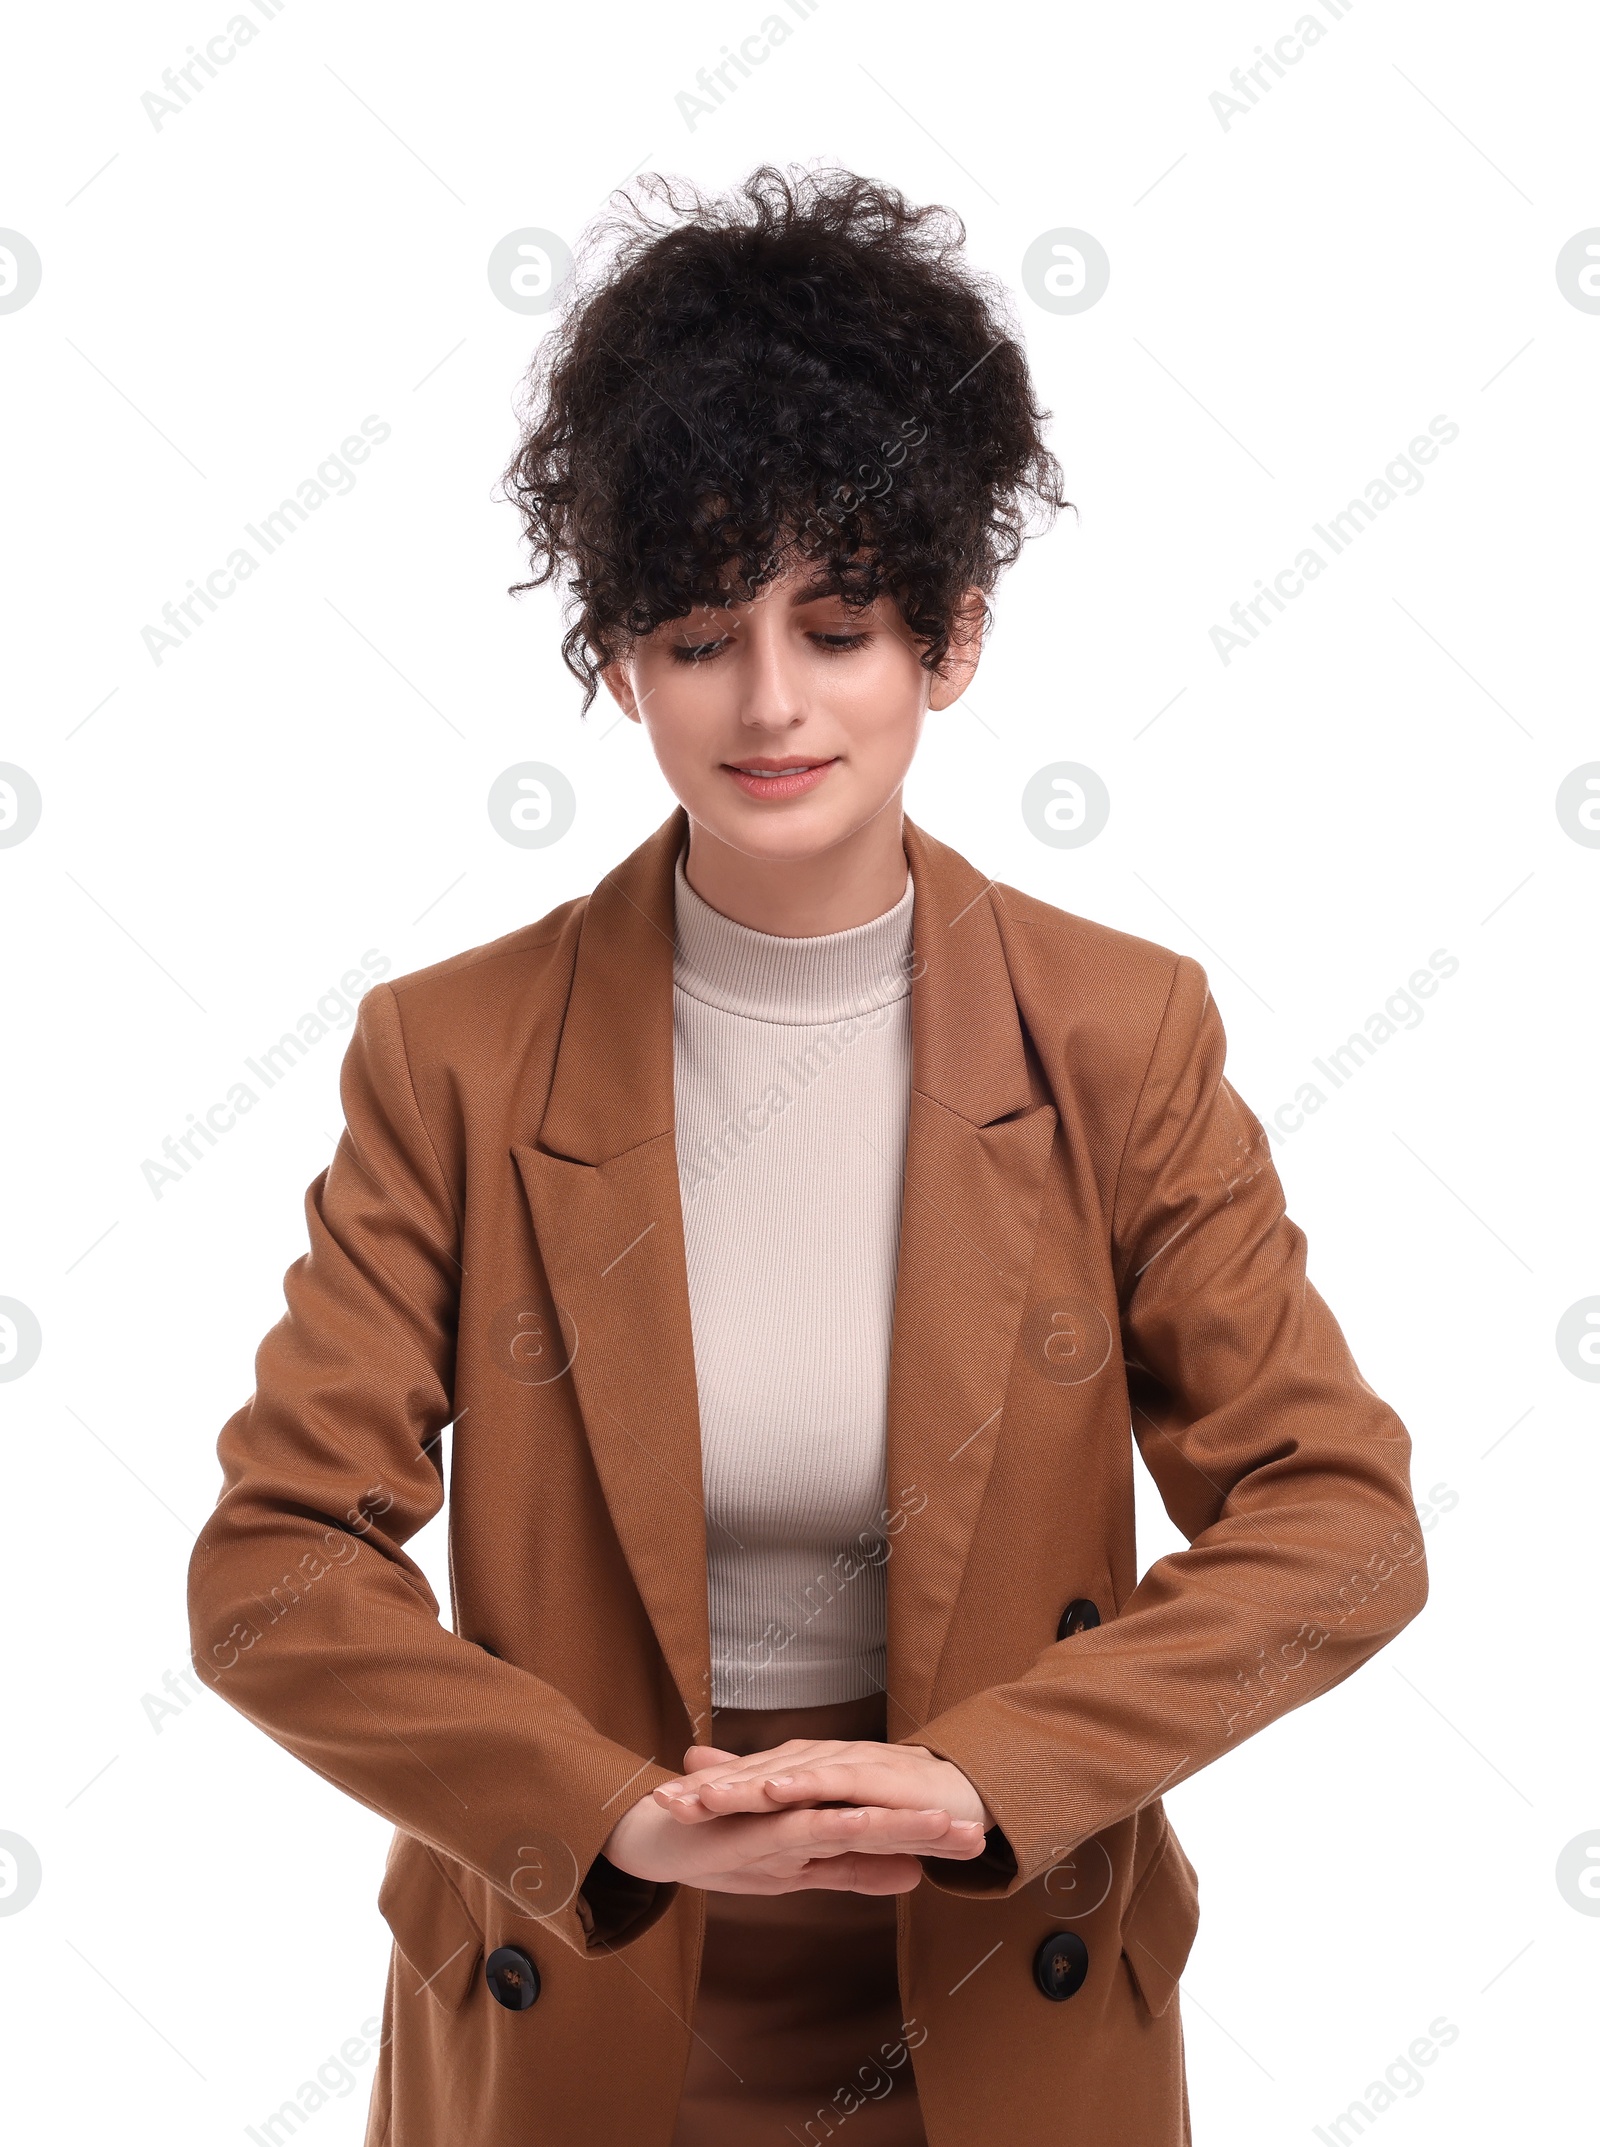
pixel 829 701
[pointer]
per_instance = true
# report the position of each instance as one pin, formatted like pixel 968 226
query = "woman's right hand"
pixel 871 1849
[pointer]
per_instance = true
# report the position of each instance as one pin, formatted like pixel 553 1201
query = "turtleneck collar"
pixel 801 981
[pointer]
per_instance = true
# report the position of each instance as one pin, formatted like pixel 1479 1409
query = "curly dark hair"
pixel 802 366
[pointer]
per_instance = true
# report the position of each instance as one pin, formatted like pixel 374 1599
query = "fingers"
pixel 866 1874
pixel 739 1785
pixel 864 1849
pixel 871 1830
pixel 863 1773
pixel 883 1834
pixel 782 1844
pixel 869 1778
pixel 859 1781
pixel 842 1800
pixel 880 1830
pixel 837 1874
pixel 702 1759
pixel 776 1759
pixel 859 1875
pixel 681 1799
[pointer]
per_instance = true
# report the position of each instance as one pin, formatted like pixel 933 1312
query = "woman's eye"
pixel 708 651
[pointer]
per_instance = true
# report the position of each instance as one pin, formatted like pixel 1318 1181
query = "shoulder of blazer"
pixel 1091 997
pixel 505 964
pixel 480 1029
pixel 535 961
pixel 1058 958
pixel 1093 1003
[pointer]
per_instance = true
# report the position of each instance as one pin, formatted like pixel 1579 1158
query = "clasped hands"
pixel 852 1817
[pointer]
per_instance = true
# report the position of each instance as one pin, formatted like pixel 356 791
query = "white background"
pixel 1292 299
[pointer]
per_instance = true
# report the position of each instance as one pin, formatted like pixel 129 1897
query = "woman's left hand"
pixel 821 1771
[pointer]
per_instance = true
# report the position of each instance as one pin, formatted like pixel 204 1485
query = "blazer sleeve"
pixel 305 1611
pixel 1284 1470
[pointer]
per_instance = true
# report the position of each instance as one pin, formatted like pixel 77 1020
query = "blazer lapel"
pixel 977 1149
pixel 602 1185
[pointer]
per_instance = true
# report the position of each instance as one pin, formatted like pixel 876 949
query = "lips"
pixel 764 776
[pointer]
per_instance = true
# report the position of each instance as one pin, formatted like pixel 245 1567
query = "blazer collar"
pixel 966 1052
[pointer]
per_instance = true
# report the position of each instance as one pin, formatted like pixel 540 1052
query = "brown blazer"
pixel 1093 1234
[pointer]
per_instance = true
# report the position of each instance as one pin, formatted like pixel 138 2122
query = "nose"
pixel 774 697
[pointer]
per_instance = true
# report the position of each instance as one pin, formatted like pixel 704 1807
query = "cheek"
pixel 878 697
pixel 681 705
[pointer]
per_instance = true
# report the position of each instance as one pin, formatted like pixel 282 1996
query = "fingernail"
pixel 780 1781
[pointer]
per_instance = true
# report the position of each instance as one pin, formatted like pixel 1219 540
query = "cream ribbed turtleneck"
pixel 792 1085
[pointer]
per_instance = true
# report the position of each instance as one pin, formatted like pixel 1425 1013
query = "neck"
pixel 830 890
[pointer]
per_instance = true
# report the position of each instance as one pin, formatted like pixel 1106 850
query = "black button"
pixel 1061 1964
pixel 512 1978
pixel 1080 1616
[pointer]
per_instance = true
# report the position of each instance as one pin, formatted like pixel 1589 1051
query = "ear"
pixel 955 673
pixel 620 687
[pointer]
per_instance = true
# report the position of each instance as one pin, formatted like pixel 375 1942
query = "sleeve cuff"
pixel 985 1877
pixel 615 1908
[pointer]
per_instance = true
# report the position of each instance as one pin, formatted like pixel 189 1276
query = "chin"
pixel 790 834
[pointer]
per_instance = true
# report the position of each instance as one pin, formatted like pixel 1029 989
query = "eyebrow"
pixel 821 584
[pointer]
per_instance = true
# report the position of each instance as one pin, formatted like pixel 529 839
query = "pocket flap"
pixel 1159 1924
pixel 436 1935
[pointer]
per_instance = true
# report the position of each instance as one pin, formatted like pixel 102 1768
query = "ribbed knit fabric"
pixel 792 1090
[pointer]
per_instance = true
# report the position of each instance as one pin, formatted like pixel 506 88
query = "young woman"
pixel 791 1231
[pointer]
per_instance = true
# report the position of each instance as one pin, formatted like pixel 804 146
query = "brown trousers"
pixel 797 2024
